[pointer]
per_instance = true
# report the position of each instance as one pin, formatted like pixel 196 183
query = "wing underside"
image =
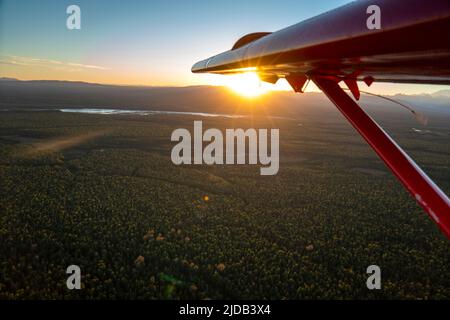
pixel 412 45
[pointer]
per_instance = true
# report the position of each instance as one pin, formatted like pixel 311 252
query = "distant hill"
pixel 65 94
pixel 58 94
pixel 8 79
pixel 442 93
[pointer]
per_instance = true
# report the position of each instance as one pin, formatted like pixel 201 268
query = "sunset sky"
pixel 141 42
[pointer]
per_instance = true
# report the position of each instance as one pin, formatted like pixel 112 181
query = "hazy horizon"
pixel 310 89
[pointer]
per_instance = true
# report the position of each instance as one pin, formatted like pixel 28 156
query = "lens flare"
pixel 245 84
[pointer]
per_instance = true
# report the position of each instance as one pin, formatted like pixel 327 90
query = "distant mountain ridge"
pixel 441 93
pixel 16 93
pixel 8 79
pixel 57 94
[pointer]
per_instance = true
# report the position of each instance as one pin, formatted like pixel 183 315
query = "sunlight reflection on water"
pixel 146 112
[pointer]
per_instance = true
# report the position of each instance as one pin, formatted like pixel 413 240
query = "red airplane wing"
pixel 412 46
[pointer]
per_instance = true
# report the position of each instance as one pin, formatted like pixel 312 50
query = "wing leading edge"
pixel 412 45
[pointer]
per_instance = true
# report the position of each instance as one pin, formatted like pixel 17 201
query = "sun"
pixel 245 84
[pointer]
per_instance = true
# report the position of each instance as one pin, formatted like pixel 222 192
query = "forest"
pixel 101 192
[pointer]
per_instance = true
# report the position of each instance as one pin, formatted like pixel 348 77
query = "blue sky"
pixel 152 42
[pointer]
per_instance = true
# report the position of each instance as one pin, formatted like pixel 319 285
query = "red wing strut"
pixel 422 188
pixel 412 46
